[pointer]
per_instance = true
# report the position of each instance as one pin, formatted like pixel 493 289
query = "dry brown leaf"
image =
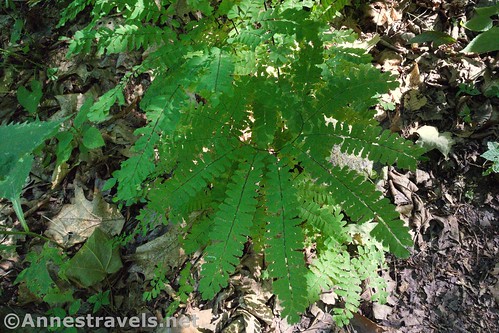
pixel 152 254
pixel 203 318
pixel 414 100
pixel 257 307
pixel 413 80
pixel 77 221
pixel 383 14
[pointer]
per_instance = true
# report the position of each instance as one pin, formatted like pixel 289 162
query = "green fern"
pixel 285 240
pixel 231 226
pixel 247 103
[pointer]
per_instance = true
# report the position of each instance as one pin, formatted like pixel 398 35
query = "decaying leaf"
pixel 414 100
pixel 430 138
pixel 203 318
pixel 255 305
pixel 77 221
pixel 413 80
pixel 152 254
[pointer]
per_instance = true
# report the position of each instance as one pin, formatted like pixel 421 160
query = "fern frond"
pixel 339 57
pixel 162 104
pixel 373 143
pixel 266 115
pixel 189 178
pixel 237 145
pixel 203 6
pixel 145 11
pixel 216 79
pixel 231 226
pixel 326 220
pixel 70 12
pixel 132 37
pixel 367 264
pixel 356 87
pixel 333 269
pixel 100 110
pixel 285 241
pixel 360 199
pixel 199 225
pixel 329 9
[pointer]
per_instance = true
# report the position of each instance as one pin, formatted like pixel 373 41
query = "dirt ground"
pixel 450 283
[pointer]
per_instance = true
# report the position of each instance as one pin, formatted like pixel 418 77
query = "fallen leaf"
pixel 96 259
pixel 381 311
pixel 77 221
pixel 151 254
pixel 413 80
pixel 203 318
pixel 430 138
pixel 257 307
pixel 414 100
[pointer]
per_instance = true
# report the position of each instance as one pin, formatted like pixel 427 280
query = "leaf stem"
pixel 32 234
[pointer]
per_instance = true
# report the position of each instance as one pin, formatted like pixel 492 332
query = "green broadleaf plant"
pixel 492 155
pixel 482 19
pixel 98 300
pixel 30 99
pixel 94 262
pixel 37 276
pixel 488 39
pixel 16 158
pixel 81 134
pixel 247 102
pixel 436 37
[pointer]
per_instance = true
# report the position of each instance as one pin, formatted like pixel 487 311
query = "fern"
pixel 329 9
pixel 247 103
pixel 231 227
pixel 334 269
pixel 285 241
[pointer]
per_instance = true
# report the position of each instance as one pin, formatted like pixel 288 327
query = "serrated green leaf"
pixel 36 275
pixel 21 139
pixel 74 307
pixel 100 110
pixel 58 297
pixel 18 142
pixel 81 117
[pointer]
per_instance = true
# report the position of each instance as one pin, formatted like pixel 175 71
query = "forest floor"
pixel 450 283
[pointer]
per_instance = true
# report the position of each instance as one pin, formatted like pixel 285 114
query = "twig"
pixel 32 234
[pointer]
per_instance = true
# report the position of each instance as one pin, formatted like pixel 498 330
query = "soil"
pixel 450 283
